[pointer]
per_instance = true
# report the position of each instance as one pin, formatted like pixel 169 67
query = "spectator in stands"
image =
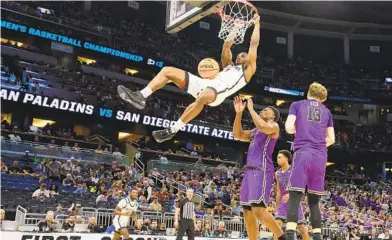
pixel 93 227
pixel 66 147
pixel 75 147
pixel 68 226
pixel 143 205
pixel 208 233
pixel 14 169
pixel 41 193
pixel 74 209
pixel 68 166
pixel 103 197
pixel 117 152
pixel 237 209
pixel 81 188
pixel 147 190
pixel 14 137
pixel 221 232
pixel 68 181
pixel 4 167
pixel 155 205
pixel 199 210
pixel 79 219
pixel 47 224
pixel 59 210
pixel 27 170
pixel 55 169
pixel 154 230
pixel 198 229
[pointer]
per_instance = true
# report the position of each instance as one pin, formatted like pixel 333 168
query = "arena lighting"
pixel 279 102
pixel 246 96
pixel 130 71
pixel 85 60
pixel 329 164
pixel 42 122
pixel 122 135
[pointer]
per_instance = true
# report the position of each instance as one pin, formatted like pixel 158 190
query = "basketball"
pixel 208 68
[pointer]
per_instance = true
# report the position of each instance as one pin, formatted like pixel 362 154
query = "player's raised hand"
pixel 239 105
pixel 250 103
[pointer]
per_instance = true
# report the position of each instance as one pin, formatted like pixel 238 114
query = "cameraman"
pixel 351 234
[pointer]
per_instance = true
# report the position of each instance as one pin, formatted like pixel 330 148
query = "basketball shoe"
pixel 163 135
pixel 134 98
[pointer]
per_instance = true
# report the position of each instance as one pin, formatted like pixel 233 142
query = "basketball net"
pixel 237 16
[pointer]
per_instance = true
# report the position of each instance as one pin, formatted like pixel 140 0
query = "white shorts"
pixel 120 222
pixel 195 85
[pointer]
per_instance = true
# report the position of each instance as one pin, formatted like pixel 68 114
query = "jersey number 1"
pixel 314 114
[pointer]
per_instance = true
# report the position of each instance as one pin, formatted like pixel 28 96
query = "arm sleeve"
pixel 293 109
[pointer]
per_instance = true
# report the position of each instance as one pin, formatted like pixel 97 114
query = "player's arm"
pixel 238 133
pixel 330 138
pixel 119 207
pixel 290 124
pixel 177 212
pixel 262 126
pixel 291 118
pixel 254 43
pixel 277 197
pixel 134 217
pixel 194 219
pixel 226 56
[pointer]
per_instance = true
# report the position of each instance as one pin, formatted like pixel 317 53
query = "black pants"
pixel 188 226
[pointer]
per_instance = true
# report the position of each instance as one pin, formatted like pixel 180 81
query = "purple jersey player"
pixel 282 177
pixel 259 172
pixel 312 124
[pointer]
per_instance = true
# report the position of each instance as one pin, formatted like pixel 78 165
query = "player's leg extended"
pixel 261 213
pixel 251 225
pixel 124 233
pixel 138 99
pixel 205 97
pixel 315 190
pixel 297 185
pixel 303 229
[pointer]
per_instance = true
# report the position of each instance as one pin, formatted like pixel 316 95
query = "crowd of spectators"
pixel 367 206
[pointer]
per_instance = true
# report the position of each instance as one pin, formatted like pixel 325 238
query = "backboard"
pixel 180 14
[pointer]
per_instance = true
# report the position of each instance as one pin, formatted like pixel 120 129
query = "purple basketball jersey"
pixel 257 182
pixel 312 121
pixel 260 150
pixel 283 179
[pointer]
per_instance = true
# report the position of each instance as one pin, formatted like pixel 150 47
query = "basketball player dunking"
pixel 125 209
pixel 312 124
pixel 259 172
pixel 282 177
pixel 210 92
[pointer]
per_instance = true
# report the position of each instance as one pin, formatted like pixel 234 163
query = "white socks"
pixel 177 126
pixel 146 92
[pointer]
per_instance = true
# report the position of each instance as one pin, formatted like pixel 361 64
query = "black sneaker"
pixel 134 98
pixel 163 135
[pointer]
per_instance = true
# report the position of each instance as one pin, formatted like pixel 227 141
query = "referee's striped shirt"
pixel 187 208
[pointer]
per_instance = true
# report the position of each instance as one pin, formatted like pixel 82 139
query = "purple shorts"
pixel 256 187
pixel 283 209
pixel 308 170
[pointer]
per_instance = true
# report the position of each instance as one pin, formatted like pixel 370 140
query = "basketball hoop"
pixel 237 16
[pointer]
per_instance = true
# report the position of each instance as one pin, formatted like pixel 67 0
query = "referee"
pixel 185 212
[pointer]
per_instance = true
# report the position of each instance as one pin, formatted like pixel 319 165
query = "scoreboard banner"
pixel 131 117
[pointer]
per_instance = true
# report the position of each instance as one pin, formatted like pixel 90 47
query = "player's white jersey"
pixel 229 81
pixel 233 77
pixel 126 205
